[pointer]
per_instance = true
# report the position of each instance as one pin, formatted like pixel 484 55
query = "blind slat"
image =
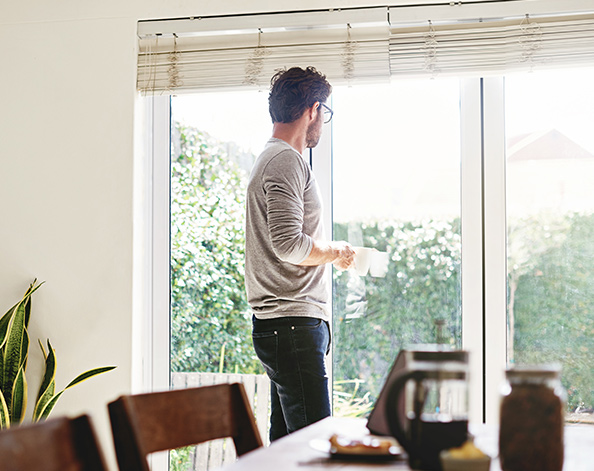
pixel 499 47
pixel 207 64
pixel 365 53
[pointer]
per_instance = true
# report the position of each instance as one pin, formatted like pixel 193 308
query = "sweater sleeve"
pixel 284 180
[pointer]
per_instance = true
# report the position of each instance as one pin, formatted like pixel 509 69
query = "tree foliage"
pixel 376 317
pixel 554 302
pixel 211 323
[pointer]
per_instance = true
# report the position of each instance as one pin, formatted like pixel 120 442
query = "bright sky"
pixel 241 117
pixel 563 100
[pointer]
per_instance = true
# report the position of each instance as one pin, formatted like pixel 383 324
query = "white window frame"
pixel 156 328
pixel 483 259
pixel 472 267
pixel 158 345
pixel 495 240
pixel 484 247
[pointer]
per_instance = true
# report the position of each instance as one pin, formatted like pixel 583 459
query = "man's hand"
pixel 346 256
pixel 341 254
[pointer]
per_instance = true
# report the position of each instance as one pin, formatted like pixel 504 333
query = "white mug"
pixel 372 261
pixel 378 266
pixel 362 260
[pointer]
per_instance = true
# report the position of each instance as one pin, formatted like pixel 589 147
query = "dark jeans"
pixel 292 351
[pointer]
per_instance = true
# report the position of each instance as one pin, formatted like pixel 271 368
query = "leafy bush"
pixel 554 302
pixel 375 317
pixel 211 321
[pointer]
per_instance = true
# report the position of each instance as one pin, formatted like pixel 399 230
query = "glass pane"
pixel 550 215
pixel 396 189
pixel 216 138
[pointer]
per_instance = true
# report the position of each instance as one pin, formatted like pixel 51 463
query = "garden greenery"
pixel 551 287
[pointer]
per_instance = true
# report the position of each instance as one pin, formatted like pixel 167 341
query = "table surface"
pixel 295 451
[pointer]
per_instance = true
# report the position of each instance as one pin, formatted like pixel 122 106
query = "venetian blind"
pixel 493 47
pixel 350 47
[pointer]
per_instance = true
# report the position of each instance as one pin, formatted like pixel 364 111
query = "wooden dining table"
pixel 303 450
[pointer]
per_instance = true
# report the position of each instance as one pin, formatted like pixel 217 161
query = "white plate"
pixel 318 444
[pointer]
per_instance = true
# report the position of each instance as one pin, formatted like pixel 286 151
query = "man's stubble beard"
pixel 313 134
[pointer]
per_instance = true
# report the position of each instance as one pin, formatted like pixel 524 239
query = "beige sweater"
pixel 283 218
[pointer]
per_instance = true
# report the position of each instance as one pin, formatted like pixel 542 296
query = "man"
pixel 286 255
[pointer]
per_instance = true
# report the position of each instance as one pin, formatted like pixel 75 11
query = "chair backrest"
pixel 146 423
pixel 60 444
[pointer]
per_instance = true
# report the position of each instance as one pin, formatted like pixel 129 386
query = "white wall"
pixel 67 143
pixel 66 102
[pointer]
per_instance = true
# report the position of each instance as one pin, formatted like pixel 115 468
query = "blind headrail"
pixel 403 15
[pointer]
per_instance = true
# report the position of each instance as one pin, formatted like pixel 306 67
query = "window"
pixel 478 188
pixel 550 222
pixel 409 207
pixel 215 139
pixel 398 192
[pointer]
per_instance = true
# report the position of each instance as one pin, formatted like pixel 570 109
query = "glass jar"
pixel 532 420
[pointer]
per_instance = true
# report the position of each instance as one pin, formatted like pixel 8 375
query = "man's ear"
pixel 314 110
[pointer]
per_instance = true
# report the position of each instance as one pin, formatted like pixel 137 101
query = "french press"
pixel 427 406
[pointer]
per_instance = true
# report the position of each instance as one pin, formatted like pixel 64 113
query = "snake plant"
pixel 14 351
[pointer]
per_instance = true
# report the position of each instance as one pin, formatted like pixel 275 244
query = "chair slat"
pixel 147 423
pixel 54 445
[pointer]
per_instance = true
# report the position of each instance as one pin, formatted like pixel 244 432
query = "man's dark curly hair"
pixel 294 90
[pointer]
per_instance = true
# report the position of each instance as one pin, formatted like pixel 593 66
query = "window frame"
pixel 483 239
pixel 156 328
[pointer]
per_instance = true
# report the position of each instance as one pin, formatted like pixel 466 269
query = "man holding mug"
pixel 286 254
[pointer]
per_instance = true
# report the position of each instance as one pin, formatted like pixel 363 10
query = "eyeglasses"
pixel 328 113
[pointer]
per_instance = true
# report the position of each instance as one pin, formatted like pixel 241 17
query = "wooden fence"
pixel 217 453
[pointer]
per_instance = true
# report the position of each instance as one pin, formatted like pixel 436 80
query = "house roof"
pixel 544 145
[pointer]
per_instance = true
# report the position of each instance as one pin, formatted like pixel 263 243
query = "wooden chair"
pixel 147 423
pixel 60 444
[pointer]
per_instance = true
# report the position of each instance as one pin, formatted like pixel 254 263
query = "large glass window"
pixel 215 140
pixel 395 190
pixel 395 183
pixel 550 216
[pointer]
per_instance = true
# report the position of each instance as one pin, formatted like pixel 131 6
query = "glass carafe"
pixel 427 407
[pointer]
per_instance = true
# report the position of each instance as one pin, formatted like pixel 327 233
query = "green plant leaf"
pixel 46 410
pixel 50 368
pixel 47 396
pixel 14 348
pixel 42 349
pixel 19 398
pixel 4 323
pixel 27 308
pixel 6 318
pixel 25 349
pixel 48 384
pixel 13 355
pixel 4 415
pixel 32 288
pixel 89 374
